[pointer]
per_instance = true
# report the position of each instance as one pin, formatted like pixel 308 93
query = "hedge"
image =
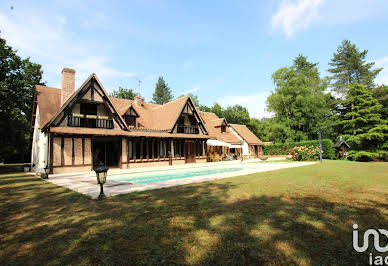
pixel 283 148
pixel 366 156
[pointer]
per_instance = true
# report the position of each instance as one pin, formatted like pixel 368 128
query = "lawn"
pixel 298 216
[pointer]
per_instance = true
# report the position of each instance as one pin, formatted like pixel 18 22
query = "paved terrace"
pixel 86 183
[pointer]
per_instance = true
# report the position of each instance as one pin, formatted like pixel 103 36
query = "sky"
pixel 221 51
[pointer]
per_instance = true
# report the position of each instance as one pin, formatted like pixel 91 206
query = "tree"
pixel 365 129
pixel 17 80
pixel 193 97
pixel 299 100
pixel 162 92
pixel 381 95
pixel 124 93
pixel 237 114
pixel 348 66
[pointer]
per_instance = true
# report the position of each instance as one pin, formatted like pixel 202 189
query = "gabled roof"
pixel 339 143
pixel 246 134
pixel 152 117
pixel 92 77
pixel 213 123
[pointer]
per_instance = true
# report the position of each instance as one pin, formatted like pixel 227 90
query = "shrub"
pixel 367 156
pixel 284 148
pixel 303 153
pixel 263 158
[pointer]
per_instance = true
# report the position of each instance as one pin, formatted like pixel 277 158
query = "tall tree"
pixel 381 95
pixel 237 114
pixel 124 93
pixel 17 80
pixel 365 129
pixel 299 100
pixel 162 92
pixel 193 97
pixel 349 66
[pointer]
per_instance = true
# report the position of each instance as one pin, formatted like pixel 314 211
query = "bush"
pixel 263 158
pixel 367 156
pixel 284 148
pixel 303 153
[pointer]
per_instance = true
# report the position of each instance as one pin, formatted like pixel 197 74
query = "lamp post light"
pixel 101 171
pixel 47 171
pixel 320 146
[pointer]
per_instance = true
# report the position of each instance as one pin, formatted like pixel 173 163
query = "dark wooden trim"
pixel 158 149
pixel 51 141
pixel 83 150
pixel 147 150
pixel 121 153
pixel 62 151
pixel 91 150
pixel 152 149
pixel 134 141
pixel 72 152
pixel 141 149
pixel 92 93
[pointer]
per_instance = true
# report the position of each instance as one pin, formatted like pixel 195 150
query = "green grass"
pixel 292 216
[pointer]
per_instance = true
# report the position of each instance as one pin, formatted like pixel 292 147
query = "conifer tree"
pixel 162 92
pixel 364 128
pixel 348 66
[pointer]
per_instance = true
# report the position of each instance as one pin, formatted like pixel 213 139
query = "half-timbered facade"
pixel 72 131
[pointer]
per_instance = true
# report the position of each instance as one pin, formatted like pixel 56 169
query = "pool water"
pixel 152 177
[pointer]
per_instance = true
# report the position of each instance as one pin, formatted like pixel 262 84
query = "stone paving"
pixel 86 183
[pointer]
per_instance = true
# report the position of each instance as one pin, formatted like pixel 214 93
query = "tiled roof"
pixel 49 103
pixel 212 123
pixel 246 134
pixel 113 132
pixel 154 120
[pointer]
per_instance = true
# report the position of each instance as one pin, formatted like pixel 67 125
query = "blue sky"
pixel 222 51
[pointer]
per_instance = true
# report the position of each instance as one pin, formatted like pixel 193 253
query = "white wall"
pixel 245 146
pixel 39 154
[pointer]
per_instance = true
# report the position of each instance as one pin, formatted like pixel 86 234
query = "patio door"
pixel 189 152
pixel 106 150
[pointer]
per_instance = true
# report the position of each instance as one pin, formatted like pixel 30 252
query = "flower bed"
pixel 303 153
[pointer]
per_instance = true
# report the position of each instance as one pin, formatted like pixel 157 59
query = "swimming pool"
pixel 144 178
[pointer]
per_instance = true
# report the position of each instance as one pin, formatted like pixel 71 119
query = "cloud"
pixel 47 40
pixel 382 78
pixel 255 103
pixel 293 16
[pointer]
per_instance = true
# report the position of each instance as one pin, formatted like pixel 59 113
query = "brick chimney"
pixel 139 101
pixel 68 84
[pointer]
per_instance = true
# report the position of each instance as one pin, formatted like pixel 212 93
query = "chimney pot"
pixel 139 101
pixel 68 84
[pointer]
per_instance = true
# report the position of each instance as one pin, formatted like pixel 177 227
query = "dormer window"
pixel 223 128
pixel 130 120
pixel 130 117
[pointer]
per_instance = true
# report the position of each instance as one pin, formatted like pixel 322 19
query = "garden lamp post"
pixel 320 146
pixel 101 171
pixel 47 171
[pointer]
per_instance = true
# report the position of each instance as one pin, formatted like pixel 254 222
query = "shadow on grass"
pixel 195 224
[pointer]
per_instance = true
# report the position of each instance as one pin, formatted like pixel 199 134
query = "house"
pixel 74 130
pixel 252 146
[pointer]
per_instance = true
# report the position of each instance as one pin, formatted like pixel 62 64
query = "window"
pixel 130 120
pixel 137 146
pixel 88 109
pixel 223 128
pixel 130 153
